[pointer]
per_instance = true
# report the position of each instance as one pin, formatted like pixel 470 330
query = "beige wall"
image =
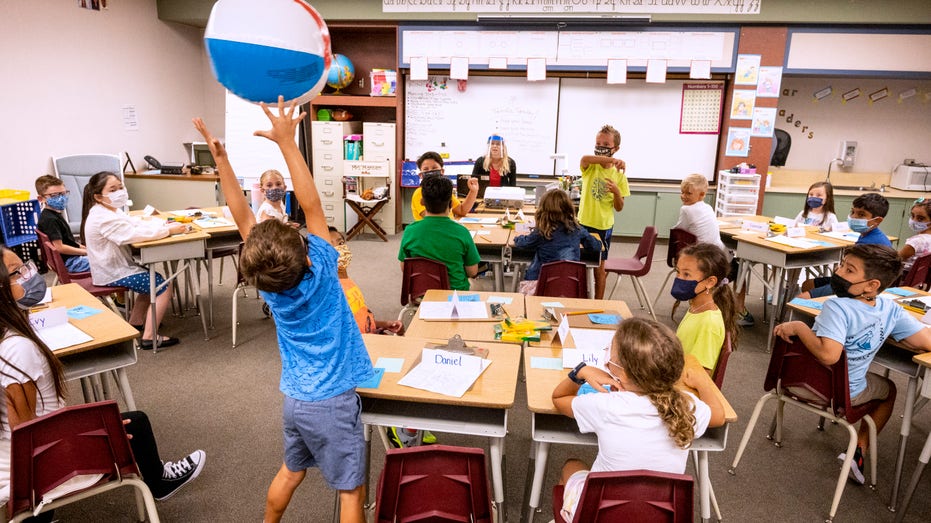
pixel 67 72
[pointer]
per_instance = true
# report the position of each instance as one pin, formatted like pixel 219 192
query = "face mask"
pixel 57 202
pixel 345 257
pixel 434 172
pixel 860 225
pixel 917 226
pixel 602 151
pixel 119 198
pixel 841 287
pixel 274 195
pixel 814 202
pixel 684 290
pixel 33 285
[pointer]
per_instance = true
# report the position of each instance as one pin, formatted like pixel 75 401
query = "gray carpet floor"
pixel 206 394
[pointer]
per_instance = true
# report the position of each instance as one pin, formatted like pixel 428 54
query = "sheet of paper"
pixel 782 220
pixel 390 364
pixel 374 381
pixel 793 242
pixel 540 362
pixel 500 299
pixel 536 69
pixel 497 62
pixel 459 68
pixel 656 71
pixel 617 71
pixel 748 225
pixel 552 304
pixel 812 304
pixel 926 319
pixel 591 356
pixel 465 297
pixel 469 219
pixel 605 319
pixel 82 311
pixel 444 372
pixel 208 222
pixel 795 232
pixel 48 296
pixel 700 70
pixel 48 318
pixel 841 227
pixel 419 68
pixel 565 338
pixel 899 291
pixel 595 339
pixel 846 236
pixel 64 335
pixel 470 311
pixel 436 310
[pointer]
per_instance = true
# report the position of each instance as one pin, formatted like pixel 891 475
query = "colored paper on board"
pixel 466 297
pixel 811 304
pixel 586 389
pixel 374 381
pixel 390 364
pixel 541 362
pixel 605 319
pixel 899 291
pixel 80 312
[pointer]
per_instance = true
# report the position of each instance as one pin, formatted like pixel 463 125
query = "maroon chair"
pixel 44 245
pixel 796 378
pixel 721 366
pixel 635 267
pixel 919 275
pixel 563 279
pixel 419 276
pixel 64 277
pixel 86 439
pixel 678 240
pixel 437 484
pixel 631 495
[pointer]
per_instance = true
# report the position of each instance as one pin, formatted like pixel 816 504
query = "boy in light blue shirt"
pixel 323 358
pixel 858 321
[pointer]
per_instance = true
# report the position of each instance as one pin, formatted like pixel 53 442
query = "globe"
pixel 341 72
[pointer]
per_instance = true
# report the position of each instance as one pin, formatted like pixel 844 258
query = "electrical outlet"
pixel 362 83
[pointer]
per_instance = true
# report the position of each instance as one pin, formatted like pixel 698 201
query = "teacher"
pixel 495 167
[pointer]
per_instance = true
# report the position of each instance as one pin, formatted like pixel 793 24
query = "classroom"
pixel 849 83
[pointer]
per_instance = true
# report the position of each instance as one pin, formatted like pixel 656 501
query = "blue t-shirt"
pixel 322 353
pixel 874 237
pixel 862 329
pixel 564 245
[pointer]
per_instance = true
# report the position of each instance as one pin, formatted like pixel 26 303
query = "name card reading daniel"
pixel 445 372
pixel 51 325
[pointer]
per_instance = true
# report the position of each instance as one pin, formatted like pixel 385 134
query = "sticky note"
pixel 390 364
pixel 552 304
pixel 605 319
pixel 82 311
pixel 899 292
pixel 374 381
pixel 811 304
pixel 466 297
pixel 586 389
pixel 540 362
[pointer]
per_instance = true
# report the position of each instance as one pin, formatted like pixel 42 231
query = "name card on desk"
pixel 752 226
pixel 841 227
pixel 795 232
pixel 445 372
pixel 593 357
pixel 455 309
pixel 781 220
pixel 51 325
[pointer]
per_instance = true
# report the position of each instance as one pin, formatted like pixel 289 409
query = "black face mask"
pixel 841 287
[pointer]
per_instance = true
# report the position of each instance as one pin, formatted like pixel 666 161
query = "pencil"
pixel 913 309
pixel 576 313
pixel 482 236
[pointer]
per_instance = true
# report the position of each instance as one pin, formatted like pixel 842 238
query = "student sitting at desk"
pixel 858 321
pixel 431 164
pixel 51 193
pixel 642 421
pixel 108 231
pixel 439 238
pixel 496 167
pixel 323 357
pixel 919 244
pixel 33 382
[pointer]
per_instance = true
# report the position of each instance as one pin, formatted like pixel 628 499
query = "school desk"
pixel 897 358
pixel 548 426
pixel 491 240
pixel 111 350
pixel 183 248
pixel 482 411
pixel 470 330
pixel 535 312
pixel 221 238
pixel 924 361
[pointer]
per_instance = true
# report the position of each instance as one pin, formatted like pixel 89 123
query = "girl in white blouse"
pixel 108 232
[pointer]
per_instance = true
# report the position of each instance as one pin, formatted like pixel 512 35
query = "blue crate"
pixel 29 250
pixel 18 222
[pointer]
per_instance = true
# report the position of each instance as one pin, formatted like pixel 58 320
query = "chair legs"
pixel 638 290
pixel 663 286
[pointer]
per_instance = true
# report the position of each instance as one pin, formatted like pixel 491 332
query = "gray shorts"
pixel 328 435
pixel 877 388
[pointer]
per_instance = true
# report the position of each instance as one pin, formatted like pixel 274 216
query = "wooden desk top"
pixel 182 177
pixel 497 236
pixel 535 312
pixel 495 388
pixel 755 238
pixel 734 229
pixel 541 382
pixel 106 327
pixel 177 238
pixel 473 330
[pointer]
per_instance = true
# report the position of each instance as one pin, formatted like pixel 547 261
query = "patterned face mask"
pixel 345 257
pixel 274 195
pixel 601 150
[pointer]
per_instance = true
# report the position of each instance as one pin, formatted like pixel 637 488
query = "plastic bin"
pixel 18 222
pixel 29 250
pixel 12 196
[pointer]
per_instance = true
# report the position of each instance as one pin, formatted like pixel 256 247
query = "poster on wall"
pixel 748 69
pixel 770 82
pixel 742 104
pixel 738 142
pixel 763 119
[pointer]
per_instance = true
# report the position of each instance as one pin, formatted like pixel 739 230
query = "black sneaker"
pixel 856 466
pixel 179 473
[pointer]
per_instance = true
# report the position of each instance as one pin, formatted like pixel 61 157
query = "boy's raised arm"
pixel 235 200
pixel 282 133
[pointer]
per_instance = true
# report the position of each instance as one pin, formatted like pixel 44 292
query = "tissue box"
pixel 384 82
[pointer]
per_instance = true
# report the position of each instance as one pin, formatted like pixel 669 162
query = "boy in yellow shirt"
pixel 431 164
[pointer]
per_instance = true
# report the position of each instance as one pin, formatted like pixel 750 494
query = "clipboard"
pixel 454 344
pixel 581 321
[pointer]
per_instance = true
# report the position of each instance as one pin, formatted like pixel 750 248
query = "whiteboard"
pixel 441 117
pixel 647 116
pixel 251 155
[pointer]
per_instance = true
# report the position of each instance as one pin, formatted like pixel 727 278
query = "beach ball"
pixel 259 50
pixel 341 72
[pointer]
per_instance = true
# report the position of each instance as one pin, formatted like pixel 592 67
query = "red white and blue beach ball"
pixel 259 50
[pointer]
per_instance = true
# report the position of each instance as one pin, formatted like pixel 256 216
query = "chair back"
pixel 421 275
pixel 824 386
pixel 55 262
pixel 678 240
pixel 81 439
pixel 919 276
pixel 632 495
pixel 438 483
pixel 644 252
pixel 44 253
pixel 563 279
pixel 75 171
pixel 721 367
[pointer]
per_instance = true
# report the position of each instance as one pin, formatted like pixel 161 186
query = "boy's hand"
pixel 216 148
pixel 473 185
pixel 786 330
pixel 619 164
pixel 612 187
pixel 283 125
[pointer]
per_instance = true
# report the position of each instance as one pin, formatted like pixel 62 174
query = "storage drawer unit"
pixel 737 193
pixel 326 139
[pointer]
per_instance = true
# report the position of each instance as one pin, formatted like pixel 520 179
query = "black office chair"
pixel 782 142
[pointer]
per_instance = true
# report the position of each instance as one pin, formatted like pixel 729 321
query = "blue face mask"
pixel 684 290
pixel 860 225
pixel 814 202
pixel 917 226
pixel 57 202
pixel 274 195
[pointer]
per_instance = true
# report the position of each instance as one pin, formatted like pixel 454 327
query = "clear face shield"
pixel 496 148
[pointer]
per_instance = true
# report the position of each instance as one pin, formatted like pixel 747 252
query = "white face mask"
pixel 119 198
